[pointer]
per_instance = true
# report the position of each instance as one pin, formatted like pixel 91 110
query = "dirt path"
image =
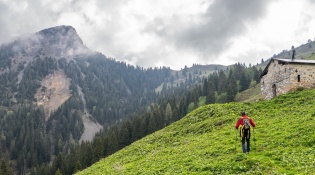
pixel 90 127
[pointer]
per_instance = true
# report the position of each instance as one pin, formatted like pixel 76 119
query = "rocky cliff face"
pixel 61 41
pixel 57 42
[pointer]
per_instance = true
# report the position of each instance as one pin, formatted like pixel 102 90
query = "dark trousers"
pixel 245 140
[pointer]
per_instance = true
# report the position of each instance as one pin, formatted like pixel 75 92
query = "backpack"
pixel 246 123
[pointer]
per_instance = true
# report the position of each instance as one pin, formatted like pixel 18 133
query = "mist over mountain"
pixel 57 42
pixel 61 41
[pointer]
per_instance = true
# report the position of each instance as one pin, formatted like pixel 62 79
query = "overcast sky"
pixel 171 33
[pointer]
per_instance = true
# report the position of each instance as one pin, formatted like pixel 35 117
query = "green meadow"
pixel 206 142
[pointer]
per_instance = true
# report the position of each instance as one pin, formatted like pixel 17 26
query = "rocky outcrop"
pixel 61 41
pixel 57 42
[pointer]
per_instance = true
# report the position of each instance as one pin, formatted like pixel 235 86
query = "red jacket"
pixel 241 122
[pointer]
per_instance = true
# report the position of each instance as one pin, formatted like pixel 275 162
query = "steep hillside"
pixel 205 142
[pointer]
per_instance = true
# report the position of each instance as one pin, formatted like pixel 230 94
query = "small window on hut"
pixel 299 78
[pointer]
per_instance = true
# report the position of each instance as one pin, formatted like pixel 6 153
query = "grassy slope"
pixel 204 142
pixel 251 94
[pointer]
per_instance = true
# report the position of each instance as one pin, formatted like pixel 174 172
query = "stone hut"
pixel 283 75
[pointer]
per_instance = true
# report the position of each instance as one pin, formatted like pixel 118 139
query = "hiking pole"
pixel 254 139
pixel 235 139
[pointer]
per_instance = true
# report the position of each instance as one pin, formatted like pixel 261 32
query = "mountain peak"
pixel 57 30
pixel 57 42
pixel 61 41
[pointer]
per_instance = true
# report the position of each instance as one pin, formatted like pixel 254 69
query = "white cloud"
pixel 170 33
pixel 287 23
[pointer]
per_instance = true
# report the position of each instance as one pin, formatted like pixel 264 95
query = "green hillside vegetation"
pixel 205 142
pixel 252 94
pixel 310 57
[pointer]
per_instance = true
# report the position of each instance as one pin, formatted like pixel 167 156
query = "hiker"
pixel 245 123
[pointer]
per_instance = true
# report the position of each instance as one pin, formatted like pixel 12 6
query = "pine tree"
pixel 210 96
pixel 77 167
pixel 152 124
pixel 222 82
pixel 243 81
pixel 256 75
pixel 136 126
pixel 58 172
pixel 206 87
pixel 5 169
pixel 168 114
pixel 113 140
pixel 232 87
pixel 125 134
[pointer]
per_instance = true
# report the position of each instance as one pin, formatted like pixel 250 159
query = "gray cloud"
pixel 19 18
pixel 150 33
pixel 223 19
pixel 3 29
pixel 206 34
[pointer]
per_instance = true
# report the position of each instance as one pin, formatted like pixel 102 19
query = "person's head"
pixel 243 113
